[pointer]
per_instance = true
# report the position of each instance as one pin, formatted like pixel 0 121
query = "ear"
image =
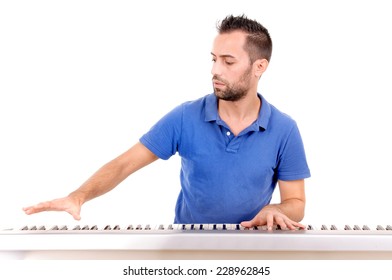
pixel 260 66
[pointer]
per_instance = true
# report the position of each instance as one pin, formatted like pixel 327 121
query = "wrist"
pixel 273 207
pixel 78 197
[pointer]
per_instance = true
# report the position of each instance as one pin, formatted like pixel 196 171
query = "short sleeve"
pixel 292 159
pixel 163 138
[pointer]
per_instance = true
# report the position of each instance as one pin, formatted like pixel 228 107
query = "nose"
pixel 216 69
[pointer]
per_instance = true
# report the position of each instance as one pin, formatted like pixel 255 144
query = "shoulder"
pixel 200 108
pixel 281 118
pixel 275 119
pixel 197 104
pixel 188 110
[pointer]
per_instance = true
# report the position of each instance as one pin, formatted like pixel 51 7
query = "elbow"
pixel 300 217
pixel 295 209
pixel 301 211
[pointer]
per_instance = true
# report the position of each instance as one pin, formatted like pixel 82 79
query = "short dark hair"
pixel 258 42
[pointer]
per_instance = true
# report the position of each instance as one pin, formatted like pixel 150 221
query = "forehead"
pixel 229 44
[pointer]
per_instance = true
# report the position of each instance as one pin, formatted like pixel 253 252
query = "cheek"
pixel 235 75
pixel 239 74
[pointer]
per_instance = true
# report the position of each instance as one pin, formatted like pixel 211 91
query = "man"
pixel 234 146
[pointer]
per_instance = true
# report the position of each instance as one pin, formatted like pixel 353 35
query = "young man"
pixel 234 146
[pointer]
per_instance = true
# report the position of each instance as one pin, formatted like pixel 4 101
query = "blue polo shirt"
pixel 226 178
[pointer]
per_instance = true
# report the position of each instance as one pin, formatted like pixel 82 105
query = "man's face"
pixel 231 70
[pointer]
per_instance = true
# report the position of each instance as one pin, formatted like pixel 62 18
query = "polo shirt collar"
pixel 211 112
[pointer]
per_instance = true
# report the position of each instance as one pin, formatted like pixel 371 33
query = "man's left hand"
pixel 271 216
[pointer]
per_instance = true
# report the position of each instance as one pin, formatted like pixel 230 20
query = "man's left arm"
pixel 288 213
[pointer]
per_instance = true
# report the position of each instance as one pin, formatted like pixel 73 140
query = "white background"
pixel 81 81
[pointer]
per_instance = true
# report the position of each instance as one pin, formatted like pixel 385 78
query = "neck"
pixel 240 114
pixel 246 108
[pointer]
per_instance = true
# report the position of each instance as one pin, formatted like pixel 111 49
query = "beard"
pixel 233 92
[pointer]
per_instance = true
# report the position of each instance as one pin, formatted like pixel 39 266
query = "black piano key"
pixel 324 227
pixel 42 228
pixel 77 227
pixel 183 227
pixel 147 227
pixel 357 227
pixel 201 227
pixel 310 227
pixel 170 227
pixel 347 227
pixel 24 228
pixel 108 227
pixel 214 227
pixel 63 228
pixel 237 227
pixel 365 227
pixel 94 227
pixel 33 228
pixel 130 227
pixel 161 227
pixel 139 227
pixel 224 227
pixel 192 227
pixel 379 227
pixel 389 227
pixel 333 227
pixel 54 228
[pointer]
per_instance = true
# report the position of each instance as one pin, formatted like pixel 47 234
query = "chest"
pixel 236 126
pixel 217 146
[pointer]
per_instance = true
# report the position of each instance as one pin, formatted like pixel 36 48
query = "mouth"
pixel 218 83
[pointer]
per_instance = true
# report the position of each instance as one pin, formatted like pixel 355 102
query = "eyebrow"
pixel 223 55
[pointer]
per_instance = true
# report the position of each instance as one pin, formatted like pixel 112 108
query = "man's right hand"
pixel 67 204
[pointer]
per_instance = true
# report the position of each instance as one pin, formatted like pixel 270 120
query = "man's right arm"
pixel 101 182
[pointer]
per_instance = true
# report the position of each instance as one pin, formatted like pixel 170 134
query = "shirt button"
pixel 228 133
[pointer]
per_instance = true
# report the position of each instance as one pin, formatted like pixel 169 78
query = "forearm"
pixel 101 182
pixel 113 173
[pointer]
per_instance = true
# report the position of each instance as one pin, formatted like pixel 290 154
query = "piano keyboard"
pixel 191 227
pixel 192 240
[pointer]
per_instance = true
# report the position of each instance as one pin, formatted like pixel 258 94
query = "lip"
pixel 218 84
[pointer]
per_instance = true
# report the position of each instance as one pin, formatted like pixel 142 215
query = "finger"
pixel 299 225
pixel 293 225
pixel 43 206
pixel 281 222
pixel 76 217
pixel 290 225
pixel 75 214
pixel 270 221
pixel 248 224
